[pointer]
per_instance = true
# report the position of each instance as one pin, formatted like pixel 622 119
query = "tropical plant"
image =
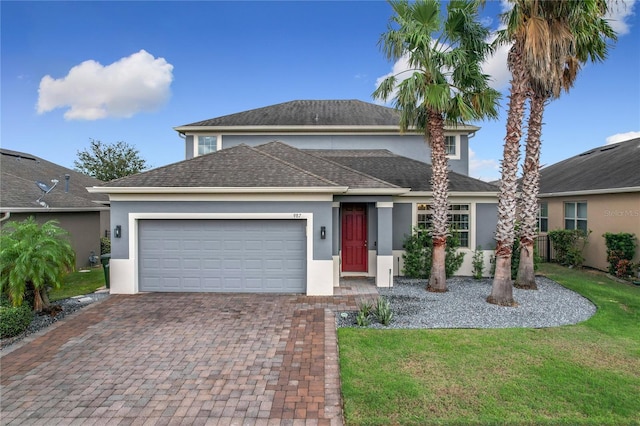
pixel 382 311
pixel 550 40
pixel 14 320
pixel 564 35
pixel 32 258
pixel 445 86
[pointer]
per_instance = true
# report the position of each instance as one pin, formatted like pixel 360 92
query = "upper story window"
pixel 459 220
pixel 207 144
pixel 575 216
pixel 452 146
pixel 543 217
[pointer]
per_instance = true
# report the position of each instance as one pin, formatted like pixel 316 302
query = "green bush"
pixel 105 245
pixel 418 254
pixel 620 247
pixel 478 263
pixel 568 245
pixel 14 320
pixel 382 311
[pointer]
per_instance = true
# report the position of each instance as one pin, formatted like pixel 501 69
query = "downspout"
pixel 5 216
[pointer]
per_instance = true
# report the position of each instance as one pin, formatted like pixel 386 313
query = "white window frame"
pixel 196 143
pixel 575 219
pixel 541 217
pixel 424 207
pixel 456 155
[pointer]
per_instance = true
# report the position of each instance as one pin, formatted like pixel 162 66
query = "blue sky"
pixel 131 71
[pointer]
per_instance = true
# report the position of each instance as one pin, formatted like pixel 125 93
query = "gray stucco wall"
pixel 411 146
pixel 385 217
pixel 401 224
pixel 322 216
pixel 486 221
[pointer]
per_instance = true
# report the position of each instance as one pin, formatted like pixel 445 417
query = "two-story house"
pixel 288 198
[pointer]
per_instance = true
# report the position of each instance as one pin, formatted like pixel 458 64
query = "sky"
pixel 133 70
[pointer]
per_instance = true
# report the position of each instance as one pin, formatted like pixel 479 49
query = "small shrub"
pixel 105 245
pixel 621 246
pixel 567 245
pixel 478 263
pixel 365 307
pixel 14 320
pixel 382 311
pixel 418 254
pixel 362 319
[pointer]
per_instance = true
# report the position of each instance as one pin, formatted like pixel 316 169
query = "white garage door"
pixel 249 256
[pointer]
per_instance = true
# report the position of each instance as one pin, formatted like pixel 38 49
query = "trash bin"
pixel 105 266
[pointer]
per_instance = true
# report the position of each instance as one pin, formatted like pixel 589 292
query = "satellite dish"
pixel 45 190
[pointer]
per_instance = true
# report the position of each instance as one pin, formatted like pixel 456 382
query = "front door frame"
pixel 361 265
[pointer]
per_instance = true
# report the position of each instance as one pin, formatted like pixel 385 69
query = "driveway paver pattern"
pixel 181 358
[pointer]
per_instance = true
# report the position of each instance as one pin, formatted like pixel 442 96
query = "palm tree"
pixel 445 86
pixel 33 257
pixel 573 33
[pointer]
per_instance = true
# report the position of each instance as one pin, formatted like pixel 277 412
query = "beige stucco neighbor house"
pixel 598 190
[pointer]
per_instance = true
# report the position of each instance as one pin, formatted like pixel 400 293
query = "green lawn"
pixel 587 373
pixel 79 283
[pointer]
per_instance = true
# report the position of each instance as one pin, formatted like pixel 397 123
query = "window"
pixel 543 217
pixel 450 146
pixel 207 144
pixel 459 220
pixel 575 216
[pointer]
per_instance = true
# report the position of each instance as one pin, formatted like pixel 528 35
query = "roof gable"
pixel 613 166
pixel 19 173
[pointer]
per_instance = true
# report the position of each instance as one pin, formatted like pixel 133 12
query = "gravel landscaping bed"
pixel 465 306
pixel 42 321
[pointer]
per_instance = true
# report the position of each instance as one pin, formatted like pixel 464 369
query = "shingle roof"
pixel 308 113
pixel 401 171
pixel 19 172
pixel 276 164
pixel 612 167
pixel 320 166
pixel 240 166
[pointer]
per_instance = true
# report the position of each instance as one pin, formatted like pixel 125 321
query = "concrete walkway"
pixel 164 358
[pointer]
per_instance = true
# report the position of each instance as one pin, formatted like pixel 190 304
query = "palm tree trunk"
pixel 440 190
pixel 526 278
pixel 502 288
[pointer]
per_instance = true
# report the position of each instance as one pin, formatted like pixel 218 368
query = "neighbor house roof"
pixel 277 165
pixel 19 173
pixel 608 168
pixel 309 114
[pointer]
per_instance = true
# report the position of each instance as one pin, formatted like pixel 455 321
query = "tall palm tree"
pixel 445 86
pixel 570 34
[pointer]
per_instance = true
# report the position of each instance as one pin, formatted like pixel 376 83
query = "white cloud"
pixel 621 137
pixel 486 170
pixel 92 91
pixel 618 15
pixel 496 67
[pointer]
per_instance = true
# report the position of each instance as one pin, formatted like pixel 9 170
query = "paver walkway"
pixel 164 358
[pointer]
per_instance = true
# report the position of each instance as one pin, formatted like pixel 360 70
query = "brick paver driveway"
pixel 163 358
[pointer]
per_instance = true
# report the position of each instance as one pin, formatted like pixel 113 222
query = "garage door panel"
pixel 222 255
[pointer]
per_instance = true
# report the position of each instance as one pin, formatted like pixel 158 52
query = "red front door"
pixel 354 238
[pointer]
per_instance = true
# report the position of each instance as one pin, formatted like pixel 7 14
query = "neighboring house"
pixel 598 190
pixel 268 216
pixel 84 215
